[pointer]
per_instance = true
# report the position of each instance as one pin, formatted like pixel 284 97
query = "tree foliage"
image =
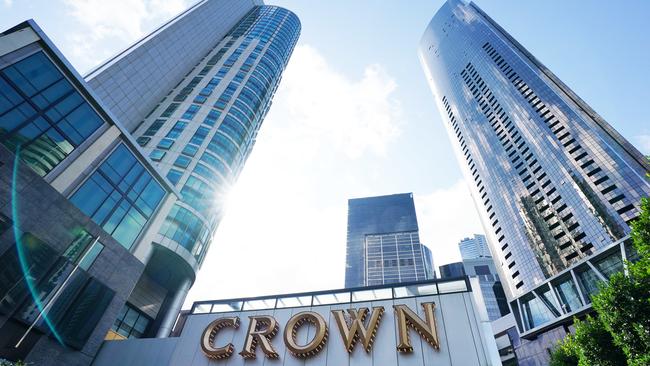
pixel 620 332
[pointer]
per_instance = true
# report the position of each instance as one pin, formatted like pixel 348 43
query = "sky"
pixel 354 117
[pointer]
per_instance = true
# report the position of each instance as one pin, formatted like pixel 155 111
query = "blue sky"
pixel 355 117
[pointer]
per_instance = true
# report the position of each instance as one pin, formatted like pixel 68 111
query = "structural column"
pixel 174 308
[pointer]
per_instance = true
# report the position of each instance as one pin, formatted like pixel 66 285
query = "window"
pixel 76 311
pixel 174 176
pixel 165 144
pixel 130 323
pixel 121 195
pixel 42 113
pixel 79 253
pixel 182 161
pixel 186 229
pixel 190 150
pixel 170 109
pixel 191 111
pixel 157 155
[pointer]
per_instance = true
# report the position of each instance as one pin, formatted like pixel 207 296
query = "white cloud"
pixel 115 21
pixel 8 3
pixel 285 229
pixel 643 143
pixel 445 216
pixel 331 111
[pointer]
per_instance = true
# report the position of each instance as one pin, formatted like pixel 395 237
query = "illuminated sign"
pixel 358 326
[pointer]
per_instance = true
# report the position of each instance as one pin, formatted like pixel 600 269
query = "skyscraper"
pixel 491 289
pixel 201 130
pixel 383 242
pixel 102 229
pixel 555 185
pixel 474 247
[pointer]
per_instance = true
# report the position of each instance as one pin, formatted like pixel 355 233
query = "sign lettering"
pixel 353 328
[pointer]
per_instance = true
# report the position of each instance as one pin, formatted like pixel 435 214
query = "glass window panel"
pixel 610 265
pixel 294 301
pixel 336 298
pixel 259 304
pixel 92 254
pixel 83 315
pixel 568 295
pixel 174 176
pixel 130 227
pixel 202 309
pixel 227 307
pixel 371 295
pixel 453 286
pixel 78 246
pixel 408 291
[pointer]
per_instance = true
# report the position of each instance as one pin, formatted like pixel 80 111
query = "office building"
pixel 383 242
pixel 475 247
pixel 65 274
pixel 200 133
pixel 491 289
pixel 555 185
pixel 309 329
pixel 451 270
pixel 104 230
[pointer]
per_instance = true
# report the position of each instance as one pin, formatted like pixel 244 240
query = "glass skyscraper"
pixel 113 185
pixel 555 185
pixel 200 133
pixel 383 243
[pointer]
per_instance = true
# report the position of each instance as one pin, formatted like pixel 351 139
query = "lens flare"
pixel 31 286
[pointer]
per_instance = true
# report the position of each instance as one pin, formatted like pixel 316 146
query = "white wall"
pixel 460 333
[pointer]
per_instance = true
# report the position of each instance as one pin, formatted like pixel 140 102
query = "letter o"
pixel 316 344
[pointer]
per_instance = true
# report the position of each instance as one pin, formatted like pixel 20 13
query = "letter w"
pixel 354 329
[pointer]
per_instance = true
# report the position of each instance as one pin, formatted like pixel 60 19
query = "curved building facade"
pixel 202 132
pixel 553 181
pixel 556 187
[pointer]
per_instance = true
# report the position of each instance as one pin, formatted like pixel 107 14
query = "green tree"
pixel 620 332
pixel 623 304
pixel 595 345
pixel 565 353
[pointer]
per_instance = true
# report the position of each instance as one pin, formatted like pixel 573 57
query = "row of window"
pixel 42 114
pixel 120 196
pixel 510 138
pixel 564 136
pixel 73 315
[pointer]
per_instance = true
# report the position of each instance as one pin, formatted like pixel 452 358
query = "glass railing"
pixel 333 297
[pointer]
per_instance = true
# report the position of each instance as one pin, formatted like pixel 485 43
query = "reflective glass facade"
pixel 553 181
pixel 383 244
pixel 202 132
pixel 492 292
pixel 120 196
pixel 42 113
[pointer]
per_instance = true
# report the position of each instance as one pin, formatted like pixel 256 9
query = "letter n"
pixel 407 318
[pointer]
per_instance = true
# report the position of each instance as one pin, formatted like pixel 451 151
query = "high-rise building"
pixel 201 131
pixel 452 270
pixel 491 289
pixel 474 247
pixel 102 230
pixel 133 82
pixel 383 242
pixel 556 186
